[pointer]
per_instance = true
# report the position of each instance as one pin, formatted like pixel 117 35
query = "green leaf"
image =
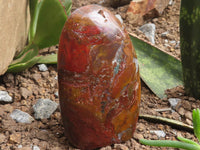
pixel 159 70
pixel 48 59
pixel 196 123
pixel 168 143
pixel 187 140
pixel 34 11
pixel 28 54
pixel 190 46
pixel 68 5
pixel 51 19
pixel 23 66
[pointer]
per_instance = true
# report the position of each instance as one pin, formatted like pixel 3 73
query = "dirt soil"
pixel 48 134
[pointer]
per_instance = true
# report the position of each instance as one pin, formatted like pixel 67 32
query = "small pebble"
pixel 19 146
pixel 149 31
pixel 44 108
pixel 21 117
pixel 188 121
pixel 171 2
pixel 167 45
pixel 36 147
pixel 25 93
pixel 2 138
pixel 15 138
pixel 181 111
pixel 120 147
pixel 106 148
pixel 56 94
pixel 173 42
pixel 188 115
pixel 164 34
pixel 173 102
pixel 159 133
pixel 42 67
pixel 4 97
pixel 138 136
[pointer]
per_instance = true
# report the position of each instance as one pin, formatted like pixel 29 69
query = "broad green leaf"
pixel 187 140
pixel 190 46
pixel 196 123
pixel 159 70
pixel 168 143
pixel 68 5
pixel 31 52
pixel 51 19
pixel 48 59
pixel 23 66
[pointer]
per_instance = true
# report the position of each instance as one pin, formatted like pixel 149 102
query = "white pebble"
pixel 149 30
pixel 4 97
pixel 42 67
pixel 159 133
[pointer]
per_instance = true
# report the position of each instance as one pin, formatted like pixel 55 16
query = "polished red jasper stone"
pixel 99 83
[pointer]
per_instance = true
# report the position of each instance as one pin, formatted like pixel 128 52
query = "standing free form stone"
pixel 98 75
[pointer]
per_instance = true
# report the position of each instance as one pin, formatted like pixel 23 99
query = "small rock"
pixel 177 45
pixel 2 88
pixel 120 147
pixel 106 148
pixel 164 34
pixel 35 148
pixel 188 115
pixel 44 108
pixel 181 111
pixel 7 108
pixel 170 36
pixel 45 74
pixel 25 92
pixel 37 77
pixel 2 138
pixel 186 105
pixel 173 102
pixel 138 136
pixel 4 97
pixel 42 67
pixel 56 94
pixel 119 18
pixel 21 117
pixel 15 138
pixel 188 121
pixel 56 78
pixel 43 135
pixel 19 146
pixel 167 45
pixel 24 148
pixel 149 31
pixel 173 42
pixel 159 133
pixel 9 79
pixel 171 2
pixel 44 145
pixel 176 116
